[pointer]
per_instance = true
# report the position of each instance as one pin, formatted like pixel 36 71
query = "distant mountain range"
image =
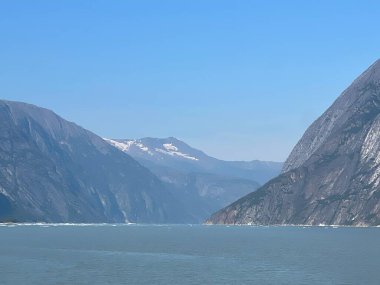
pixel 332 175
pixel 55 171
pixel 203 183
pixel 173 153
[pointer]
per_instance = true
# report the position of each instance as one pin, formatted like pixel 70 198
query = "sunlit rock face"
pixel 332 176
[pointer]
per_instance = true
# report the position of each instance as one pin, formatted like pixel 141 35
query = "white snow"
pixel 172 150
pixel 125 146
pixel 142 147
pixel 120 145
pixel 168 148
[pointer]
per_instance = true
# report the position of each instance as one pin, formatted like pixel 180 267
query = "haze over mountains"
pixel 332 175
pixel 55 171
pixel 204 184
pixel 173 153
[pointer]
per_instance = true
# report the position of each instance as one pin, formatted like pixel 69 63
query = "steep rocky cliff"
pixel 332 176
pixel 55 171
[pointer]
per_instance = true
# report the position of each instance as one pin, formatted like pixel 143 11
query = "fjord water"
pixel 181 254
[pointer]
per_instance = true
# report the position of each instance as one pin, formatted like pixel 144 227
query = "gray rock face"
pixel 204 184
pixel 332 176
pixel 55 171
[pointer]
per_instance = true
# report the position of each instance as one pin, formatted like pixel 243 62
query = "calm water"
pixel 188 255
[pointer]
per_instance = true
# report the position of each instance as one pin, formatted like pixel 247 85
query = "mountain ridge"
pixel 332 175
pixel 325 122
pixel 203 183
pixel 175 153
pixel 55 171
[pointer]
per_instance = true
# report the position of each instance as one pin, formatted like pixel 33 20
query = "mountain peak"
pixel 161 140
pixel 158 147
pixel 359 95
pixel 371 75
pixel 376 64
pixel 332 175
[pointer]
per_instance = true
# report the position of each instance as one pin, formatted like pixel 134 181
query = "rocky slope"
pixel 332 176
pixel 54 171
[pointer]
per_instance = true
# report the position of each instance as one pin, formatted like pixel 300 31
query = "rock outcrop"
pixel 332 176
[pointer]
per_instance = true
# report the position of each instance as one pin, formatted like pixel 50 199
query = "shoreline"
pixel 42 224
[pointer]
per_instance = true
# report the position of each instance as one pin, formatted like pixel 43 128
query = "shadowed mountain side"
pixel 55 171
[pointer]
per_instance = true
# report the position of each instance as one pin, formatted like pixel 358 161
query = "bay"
pixel 186 254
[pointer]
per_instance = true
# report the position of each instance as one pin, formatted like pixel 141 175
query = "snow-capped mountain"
pixel 174 153
pixel 202 183
pixel 157 149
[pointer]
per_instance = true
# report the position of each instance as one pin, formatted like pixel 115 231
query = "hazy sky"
pixel 240 80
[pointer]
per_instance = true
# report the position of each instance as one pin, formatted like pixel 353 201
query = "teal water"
pixel 133 254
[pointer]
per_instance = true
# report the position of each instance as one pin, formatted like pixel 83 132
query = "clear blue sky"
pixel 238 79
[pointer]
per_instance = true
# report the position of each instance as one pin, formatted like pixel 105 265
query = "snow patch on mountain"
pixel 172 150
pixel 167 148
pixel 122 146
pixel 170 147
pixel 126 145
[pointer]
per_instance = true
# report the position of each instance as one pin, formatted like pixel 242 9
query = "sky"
pixel 240 80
